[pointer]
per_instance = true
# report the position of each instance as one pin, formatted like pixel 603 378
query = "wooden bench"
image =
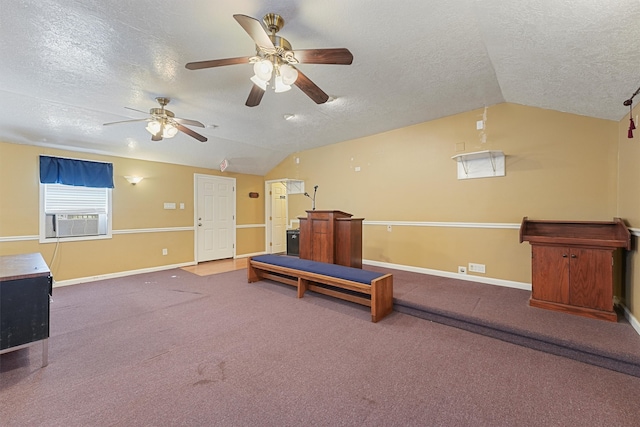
pixel 364 287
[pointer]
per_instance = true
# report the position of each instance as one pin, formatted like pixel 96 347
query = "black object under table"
pixel 25 291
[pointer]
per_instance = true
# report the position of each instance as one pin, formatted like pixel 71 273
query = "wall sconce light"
pixel 134 179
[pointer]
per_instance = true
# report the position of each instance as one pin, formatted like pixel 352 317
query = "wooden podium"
pixel 331 236
pixel 573 265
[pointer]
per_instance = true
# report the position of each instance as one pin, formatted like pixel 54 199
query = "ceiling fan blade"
pixel 255 96
pixel 256 31
pixel 191 133
pixel 311 89
pixel 124 121
pixel 188 122
pixel 217 63
pixel 339 56
pixel 139 111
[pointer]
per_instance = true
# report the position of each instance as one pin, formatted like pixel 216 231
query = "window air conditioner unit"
pixel 67 225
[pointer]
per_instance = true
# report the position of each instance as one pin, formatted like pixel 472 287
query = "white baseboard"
pixel 58 284
pixel 468 277
pixel 631 319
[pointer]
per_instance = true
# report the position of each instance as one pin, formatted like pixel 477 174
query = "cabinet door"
pixel 24 311
pixel 591 278
pixel 550 273
pixel 322 243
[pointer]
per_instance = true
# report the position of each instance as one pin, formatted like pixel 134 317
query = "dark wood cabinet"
pixel 25 289
pixel 331 236
pixel 573 264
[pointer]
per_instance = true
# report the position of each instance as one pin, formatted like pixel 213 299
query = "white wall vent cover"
pixel 76 225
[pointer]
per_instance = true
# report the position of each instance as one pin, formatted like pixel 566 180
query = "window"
pixel 79 211
pixel 74 213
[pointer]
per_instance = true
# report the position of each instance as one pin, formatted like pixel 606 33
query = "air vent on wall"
pixel 76 225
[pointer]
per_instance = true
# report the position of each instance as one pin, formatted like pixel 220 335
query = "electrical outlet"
pixel 165 251
pixel 476 268
pixel 462 270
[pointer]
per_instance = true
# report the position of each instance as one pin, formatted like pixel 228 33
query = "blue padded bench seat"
pixel 333 270
pixel 368 288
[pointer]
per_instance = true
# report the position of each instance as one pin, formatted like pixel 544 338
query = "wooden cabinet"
pixel 331 236
pixel 25 288
pixel 573 265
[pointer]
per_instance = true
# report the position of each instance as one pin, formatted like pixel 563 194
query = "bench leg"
pixel 303 286
pixel 381 297
pixel 252 274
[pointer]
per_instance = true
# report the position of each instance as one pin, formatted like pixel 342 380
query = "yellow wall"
pixel 135 207
pixel 629 207
pixel 558 166
pixel 250 212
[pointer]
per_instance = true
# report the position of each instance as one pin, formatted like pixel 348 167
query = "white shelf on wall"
pixel 294 186
pixel 481 164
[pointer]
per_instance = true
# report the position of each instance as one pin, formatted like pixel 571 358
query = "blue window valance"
pixel 81 173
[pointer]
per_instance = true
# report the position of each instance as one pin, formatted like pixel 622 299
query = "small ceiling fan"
pixel 164 124
pixel 275 60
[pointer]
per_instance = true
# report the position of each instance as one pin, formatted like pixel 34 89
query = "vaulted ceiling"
pixel 69 66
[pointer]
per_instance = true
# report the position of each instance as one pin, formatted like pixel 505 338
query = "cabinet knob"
pixel 573 256
pixel 564 255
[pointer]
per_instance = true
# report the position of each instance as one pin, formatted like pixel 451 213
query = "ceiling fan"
pixel 275 60
pixel 164 124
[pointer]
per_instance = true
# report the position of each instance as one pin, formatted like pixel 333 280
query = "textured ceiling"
pixel 68 66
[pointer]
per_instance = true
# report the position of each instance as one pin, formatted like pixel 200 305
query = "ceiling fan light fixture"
pixel 274 52
pixel 154 127
pixel 164 124
pixel 169 130
pixel 289 74
pixel 263 69
pixel 280 86
pixel 259 82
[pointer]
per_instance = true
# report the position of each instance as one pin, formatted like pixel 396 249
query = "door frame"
pixel 268 229
pixel 195 212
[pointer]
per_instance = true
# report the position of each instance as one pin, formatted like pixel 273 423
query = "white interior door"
pixel 215 217
pixel 278 217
